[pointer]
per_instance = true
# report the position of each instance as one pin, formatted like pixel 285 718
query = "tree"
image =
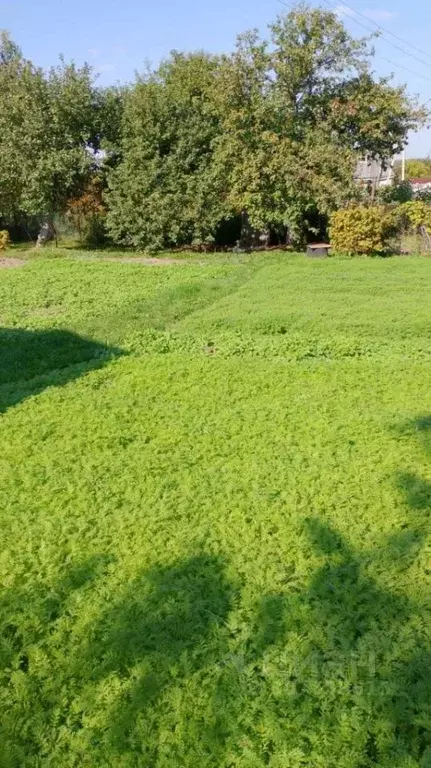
pixel 9 51
pixel 297 113
pixel 46 132
pixel 418 168
pixel 400 192
pixel 164 191
pixel 109 113
pixel 272 132
pixel 13 69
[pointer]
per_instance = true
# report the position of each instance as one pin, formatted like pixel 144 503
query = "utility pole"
pixel 403 166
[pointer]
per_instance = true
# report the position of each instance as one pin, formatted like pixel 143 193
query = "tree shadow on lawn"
pixel 334 671
pixel 166 629
pixel 336 674
pixel 358 654
pixel 161 630
pixel 417 490
pixel 31 361
pixel 356 659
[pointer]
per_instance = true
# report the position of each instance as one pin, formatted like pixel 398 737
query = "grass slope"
pixel 215 496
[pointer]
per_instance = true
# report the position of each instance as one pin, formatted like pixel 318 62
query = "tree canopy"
pixel 46 133
pixel 272 132
pixel 418 168
pixel 165 190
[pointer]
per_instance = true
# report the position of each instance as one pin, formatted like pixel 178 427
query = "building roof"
pixel 424 180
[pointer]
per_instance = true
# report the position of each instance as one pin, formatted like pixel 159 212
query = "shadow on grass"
pixel 110 684
pixel 356 660
pixel 417 490
pixel 335 671
pixel 343 662
pixel 165 629
pixel 30 361
pixel 331 673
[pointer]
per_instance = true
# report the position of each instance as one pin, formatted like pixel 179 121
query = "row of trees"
pixel 268 135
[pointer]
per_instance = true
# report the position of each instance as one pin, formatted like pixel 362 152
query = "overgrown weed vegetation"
pixel 215 513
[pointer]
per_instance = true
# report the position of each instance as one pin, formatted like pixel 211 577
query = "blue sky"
pixel 118 36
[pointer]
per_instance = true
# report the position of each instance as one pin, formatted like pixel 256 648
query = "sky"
pixel 120 37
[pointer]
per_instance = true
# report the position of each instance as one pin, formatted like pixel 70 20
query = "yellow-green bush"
pixel 376 229
pixel 4 239
pixel 360 230
pixel 411 216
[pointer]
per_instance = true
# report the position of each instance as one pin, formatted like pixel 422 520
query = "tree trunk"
pixel 246 237
pixel 47 232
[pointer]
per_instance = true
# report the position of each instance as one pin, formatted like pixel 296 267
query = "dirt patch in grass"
pixel 53 311
pixel 10 262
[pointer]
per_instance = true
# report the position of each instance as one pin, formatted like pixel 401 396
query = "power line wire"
pixel 377 56
pixel 388 32
pixel 410 71
pixel 369 29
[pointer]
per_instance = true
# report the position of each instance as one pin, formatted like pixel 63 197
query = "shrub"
pixel 87 214
pixel 4 239
pixel 360 230
pixel 366 230
pixel 411 216
pixel 398 193
pixel 424 195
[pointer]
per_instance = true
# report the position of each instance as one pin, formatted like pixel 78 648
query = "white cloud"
pixel 94 52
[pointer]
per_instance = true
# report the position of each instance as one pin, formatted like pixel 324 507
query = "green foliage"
pixel 295 122
pixel 270 133
pixel 360 230
pixel 418 168
pixel 108 122
pixel 214 505
pixel 398 193
pixel 374 115
pixel 46 128
pixel 9 51
pixel 165 192
pixel 4 239
pixel 367 230
pixel 273 130
pixel 87 213
pixel 411 216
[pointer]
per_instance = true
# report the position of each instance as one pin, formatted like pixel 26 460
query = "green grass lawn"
pixel 215 497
